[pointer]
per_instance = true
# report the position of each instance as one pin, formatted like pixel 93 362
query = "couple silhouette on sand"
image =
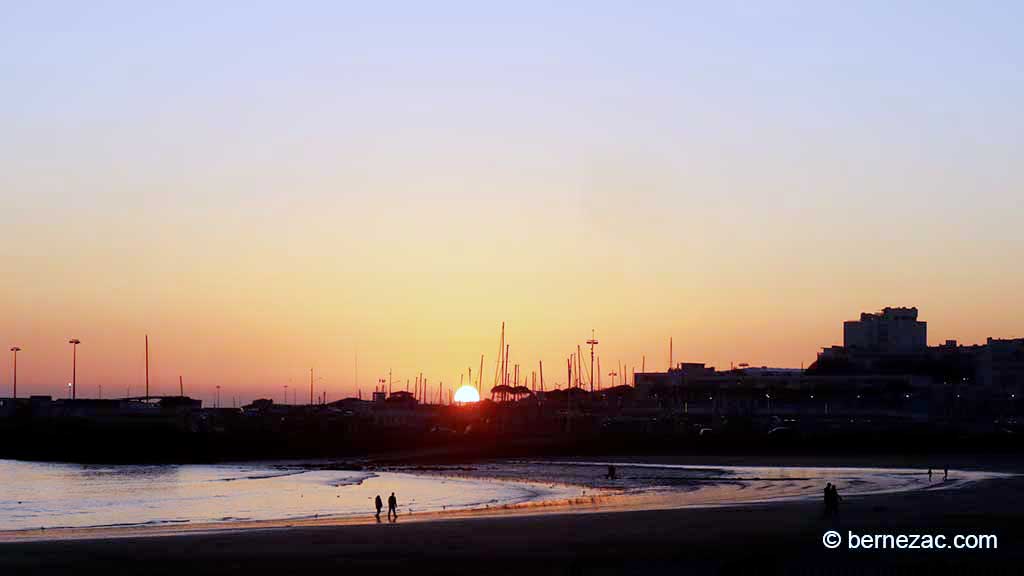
pixel 832 499
pixel 392 507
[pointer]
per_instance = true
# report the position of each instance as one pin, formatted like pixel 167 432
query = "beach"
pixel 781 537
pixel 572 537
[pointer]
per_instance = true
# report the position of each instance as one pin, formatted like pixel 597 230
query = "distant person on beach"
pixel 945 473
pixel 611 472
pixel 392 506
pixel 929 474
pixel 380 504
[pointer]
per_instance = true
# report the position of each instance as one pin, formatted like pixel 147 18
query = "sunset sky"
pixel 269 187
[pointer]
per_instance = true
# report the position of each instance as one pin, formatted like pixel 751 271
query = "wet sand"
pixel 771 537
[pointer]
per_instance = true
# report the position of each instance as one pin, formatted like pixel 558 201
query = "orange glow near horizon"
pixel 252 363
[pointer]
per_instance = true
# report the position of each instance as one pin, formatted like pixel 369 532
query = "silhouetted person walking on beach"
pixel 929 474
pixel 611 472
pixel 380 504
pixel 945 473
pixel 392 506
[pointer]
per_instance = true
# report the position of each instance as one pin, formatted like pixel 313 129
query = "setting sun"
pixel 467 394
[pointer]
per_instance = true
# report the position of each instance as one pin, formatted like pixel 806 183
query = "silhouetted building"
pixel 1001 368
pixel 400 409
pixel 891 331
pixel 696 390
pixel 885 369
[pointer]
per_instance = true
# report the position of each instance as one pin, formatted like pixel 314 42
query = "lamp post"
pixel 218 395
pixel 74 365
pixel 15 350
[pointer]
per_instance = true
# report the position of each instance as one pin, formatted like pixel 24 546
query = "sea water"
pixel 57 495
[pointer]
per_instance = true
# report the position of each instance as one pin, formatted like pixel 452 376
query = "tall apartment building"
pixel 891 331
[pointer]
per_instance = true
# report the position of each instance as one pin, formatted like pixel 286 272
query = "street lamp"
pixel 15 350
pixel 218 395
pixel 74 365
